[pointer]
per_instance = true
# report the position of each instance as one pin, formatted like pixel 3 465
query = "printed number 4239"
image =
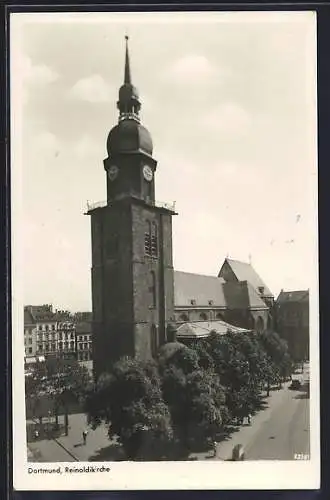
pixel 301 456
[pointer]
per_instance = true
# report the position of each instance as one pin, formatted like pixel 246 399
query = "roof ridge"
pixel 240 261
pixel 198 274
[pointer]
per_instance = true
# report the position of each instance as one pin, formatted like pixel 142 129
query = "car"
pixel 295 384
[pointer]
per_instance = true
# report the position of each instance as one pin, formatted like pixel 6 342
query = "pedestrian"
pixel 84 434
pixel 215 446
pixel 238 453
pixel 249 418
pixel 36 434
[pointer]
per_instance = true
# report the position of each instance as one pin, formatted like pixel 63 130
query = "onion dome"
pixel 129 136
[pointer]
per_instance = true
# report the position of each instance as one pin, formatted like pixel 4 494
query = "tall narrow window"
pixel 154 340
pixel 112 244
pixel 147 239
pixel 154 240
pixel 152 289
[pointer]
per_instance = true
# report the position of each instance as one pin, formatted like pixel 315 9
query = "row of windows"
pixel 203 317
pixel 61 336
pixel 84 346
pixel 49 336
pixel 52 327
pixel 52 347
pixel 46 328
pixel 84 356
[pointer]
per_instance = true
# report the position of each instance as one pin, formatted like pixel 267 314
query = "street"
pixel 280 432
pixel 286 433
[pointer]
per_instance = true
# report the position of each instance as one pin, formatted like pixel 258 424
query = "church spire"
pixel 128 104
pixel 127 77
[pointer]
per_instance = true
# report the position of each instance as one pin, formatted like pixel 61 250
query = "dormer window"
pixel 210 302
pixel 261 289
pixel 193 302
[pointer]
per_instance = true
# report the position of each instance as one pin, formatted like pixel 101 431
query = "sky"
pixel 230 102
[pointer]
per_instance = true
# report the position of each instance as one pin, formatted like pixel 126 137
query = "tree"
pixel 193 394
pixel 278 354
pixel 64 381
pixel 129 400
pixel 242 365
pixel 180 356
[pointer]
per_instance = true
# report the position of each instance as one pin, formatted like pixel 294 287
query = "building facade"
pixel 84 341
pixel 292 321
pixel 66 338
pixel 51 333
pixel 30 335
pixel 199 298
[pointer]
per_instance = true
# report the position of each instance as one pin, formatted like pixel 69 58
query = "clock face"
pixel 147 173
pixel 113 172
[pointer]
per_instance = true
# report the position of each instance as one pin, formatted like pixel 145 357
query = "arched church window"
pixel 219 316
pixel 153 289
pixel 259 324
pixel 154 340
pixel 147 238
pixel 183 317
pixel 203 316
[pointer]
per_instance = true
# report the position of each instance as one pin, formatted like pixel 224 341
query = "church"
pixel 137 296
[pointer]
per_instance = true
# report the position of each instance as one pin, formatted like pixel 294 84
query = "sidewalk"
pixel 246 434
pixel 71 448
pixel 97 442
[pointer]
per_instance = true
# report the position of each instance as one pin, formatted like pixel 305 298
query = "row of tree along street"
pixel 189 396
pixel 186 398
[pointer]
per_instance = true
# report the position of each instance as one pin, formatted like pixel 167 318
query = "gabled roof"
pixel 293 296
pixel 242 295
pixel 245 272
pixel 202 329
pixel 198 287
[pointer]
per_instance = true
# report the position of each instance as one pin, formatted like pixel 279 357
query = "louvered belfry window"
pixel 147 239
pixel 151 240
pixel 154 240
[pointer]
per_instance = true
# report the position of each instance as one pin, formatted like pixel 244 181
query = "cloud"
pixel 86 147
pixel 193 69
pixel 37 75
pixel 92 89
pixel 227 118
pixel 46 141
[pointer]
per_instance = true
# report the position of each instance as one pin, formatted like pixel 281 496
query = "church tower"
pixel 132 267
